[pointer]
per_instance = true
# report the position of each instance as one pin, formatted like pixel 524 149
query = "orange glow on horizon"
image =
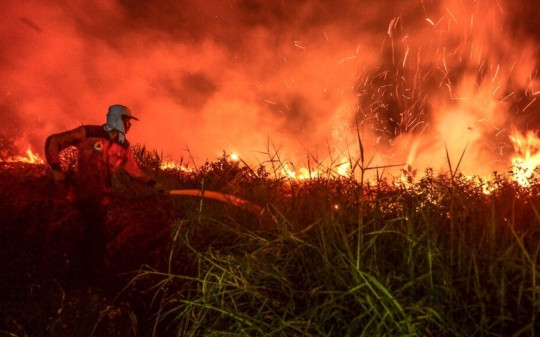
pixel 411 79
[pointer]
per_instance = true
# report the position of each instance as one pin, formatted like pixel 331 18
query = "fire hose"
pixel 227 198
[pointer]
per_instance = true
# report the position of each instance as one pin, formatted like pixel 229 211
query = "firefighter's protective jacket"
pixel 100 154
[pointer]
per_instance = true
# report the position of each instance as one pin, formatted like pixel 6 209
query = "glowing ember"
pixel 527 156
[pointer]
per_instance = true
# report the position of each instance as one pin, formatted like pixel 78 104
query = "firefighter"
pixel 102 150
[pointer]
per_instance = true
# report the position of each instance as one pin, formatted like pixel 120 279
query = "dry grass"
pixel 326 257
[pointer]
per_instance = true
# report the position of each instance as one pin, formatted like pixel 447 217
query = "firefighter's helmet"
pixel 114 119
pixel 118 111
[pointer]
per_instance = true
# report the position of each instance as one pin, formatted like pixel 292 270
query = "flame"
pixel 302 173
pixel 443 78
pixel 29 158
pixel 172 165
pixel 527 156
pixel 289 172
pixel 342 169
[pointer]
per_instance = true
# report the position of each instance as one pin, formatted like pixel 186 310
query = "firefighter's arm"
pixel 134 171
pixel 55 143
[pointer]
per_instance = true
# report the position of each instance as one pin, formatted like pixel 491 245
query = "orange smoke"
pixel 304 80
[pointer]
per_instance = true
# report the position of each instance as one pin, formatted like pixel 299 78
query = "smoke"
pixel 454 86
pixel 250 76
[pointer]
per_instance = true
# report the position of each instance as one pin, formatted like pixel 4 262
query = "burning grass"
pixel 432 257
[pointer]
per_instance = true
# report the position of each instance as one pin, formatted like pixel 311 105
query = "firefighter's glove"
pixel 158 187
pixel 58 176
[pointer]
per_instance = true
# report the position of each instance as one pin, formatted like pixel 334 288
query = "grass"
pixel 327 257
pixel 438 257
